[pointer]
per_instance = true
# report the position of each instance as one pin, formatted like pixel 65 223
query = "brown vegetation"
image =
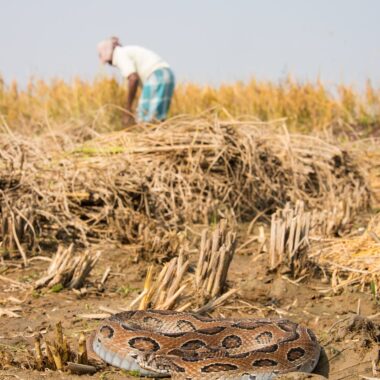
pixel 173 207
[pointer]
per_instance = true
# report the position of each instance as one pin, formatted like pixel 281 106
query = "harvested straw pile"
pixel 176 173
pixel 354 260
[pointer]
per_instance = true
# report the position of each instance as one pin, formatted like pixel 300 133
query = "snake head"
pixel 154 363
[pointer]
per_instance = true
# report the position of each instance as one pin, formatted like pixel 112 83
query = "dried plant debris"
pixel 361 335
pixel 54 353
pixel 178 288
pixel 58 355
pixel 129 224
pixel 289 238
pixel 68 268
pixel 8 359
pixel 18 226
pixel 217 250
pixel 358 261
pixel 176 173
pixel 160 245
pixel 168 290
pixel 293 229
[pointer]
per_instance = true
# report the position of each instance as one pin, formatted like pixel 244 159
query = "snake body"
pixel 186 346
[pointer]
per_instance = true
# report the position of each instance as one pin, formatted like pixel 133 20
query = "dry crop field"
pixel 252 200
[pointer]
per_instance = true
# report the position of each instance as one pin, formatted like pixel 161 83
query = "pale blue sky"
pixel 205 41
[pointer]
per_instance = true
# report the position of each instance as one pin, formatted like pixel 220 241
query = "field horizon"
pixel 306 106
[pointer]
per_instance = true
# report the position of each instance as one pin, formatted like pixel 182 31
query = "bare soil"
pixel 339 319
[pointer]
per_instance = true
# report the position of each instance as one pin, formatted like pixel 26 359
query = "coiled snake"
pixel 186 346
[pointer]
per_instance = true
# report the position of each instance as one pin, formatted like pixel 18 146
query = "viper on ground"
pixel 187 346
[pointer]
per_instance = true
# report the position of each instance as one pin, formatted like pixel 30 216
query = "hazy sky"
pixel 205 41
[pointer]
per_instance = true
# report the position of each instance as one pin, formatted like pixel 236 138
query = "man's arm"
pixel 133 83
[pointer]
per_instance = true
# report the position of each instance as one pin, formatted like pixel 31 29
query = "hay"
pixel 181 172
pixel 354 260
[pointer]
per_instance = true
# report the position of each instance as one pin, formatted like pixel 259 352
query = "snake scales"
pixel 186 346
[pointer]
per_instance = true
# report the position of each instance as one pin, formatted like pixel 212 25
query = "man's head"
pixel 105 49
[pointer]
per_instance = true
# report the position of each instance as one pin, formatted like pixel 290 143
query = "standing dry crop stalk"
pixel 68 268
pixel 216 252
pixel 289 237
pixel 339 213
pixel 166 291
pixel 17 225
pixel 291 227
pixel 177 288
pixel 57 354
pixel 159 245
pixel 99 104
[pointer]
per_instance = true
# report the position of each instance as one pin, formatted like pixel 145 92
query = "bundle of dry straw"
pixel 179 172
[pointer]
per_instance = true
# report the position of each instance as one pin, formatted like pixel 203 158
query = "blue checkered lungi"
pixel 156 96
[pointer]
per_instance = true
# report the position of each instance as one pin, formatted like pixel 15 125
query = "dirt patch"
pixel 349 340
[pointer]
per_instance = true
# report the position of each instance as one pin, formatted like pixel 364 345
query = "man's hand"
pixel 128 120
pixel 133 83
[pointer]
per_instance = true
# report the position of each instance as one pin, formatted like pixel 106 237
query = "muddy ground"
pixel 345 322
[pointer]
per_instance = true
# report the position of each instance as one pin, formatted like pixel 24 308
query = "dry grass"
pixel 352 260
pixel 166 176
pixel 98 104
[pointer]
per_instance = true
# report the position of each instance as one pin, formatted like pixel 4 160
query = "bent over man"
pixel 141 66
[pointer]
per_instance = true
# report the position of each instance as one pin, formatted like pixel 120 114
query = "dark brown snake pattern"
pixel 186 346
